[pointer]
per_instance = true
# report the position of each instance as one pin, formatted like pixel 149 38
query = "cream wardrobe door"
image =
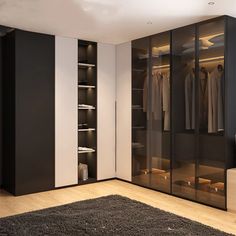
pixel 123 114
pixel 106 111
pixel 66 89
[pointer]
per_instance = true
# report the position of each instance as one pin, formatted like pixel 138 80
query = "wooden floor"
pixel 222 220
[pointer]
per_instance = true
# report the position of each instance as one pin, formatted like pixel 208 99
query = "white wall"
pixel 66 122
pixel 106 111
pixel 123 98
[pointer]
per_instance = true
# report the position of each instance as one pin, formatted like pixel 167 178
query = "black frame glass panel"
pixel 160 111
pixel 140 111
pixel 211 143
pixel 183 111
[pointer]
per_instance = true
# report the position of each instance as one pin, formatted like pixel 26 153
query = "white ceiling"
pixel 108 21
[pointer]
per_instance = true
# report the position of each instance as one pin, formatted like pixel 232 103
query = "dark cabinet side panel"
pixel 8 46
pixel 35 59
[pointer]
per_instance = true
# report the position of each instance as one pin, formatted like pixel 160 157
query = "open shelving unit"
pixel 87 109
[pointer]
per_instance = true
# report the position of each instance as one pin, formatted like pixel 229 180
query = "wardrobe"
pixel 181 116
pixel 54 93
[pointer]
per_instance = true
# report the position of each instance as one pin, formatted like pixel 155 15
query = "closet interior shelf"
pixel 86 107
pixel 88 129
pixel 211 59
pixel 85 150
pixel 86 86
pixel 85 65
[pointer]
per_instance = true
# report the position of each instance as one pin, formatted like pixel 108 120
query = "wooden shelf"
pixel 86 65
pixel 88 129
pixel 86 86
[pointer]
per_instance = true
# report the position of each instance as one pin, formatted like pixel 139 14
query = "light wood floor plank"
pixel 10 205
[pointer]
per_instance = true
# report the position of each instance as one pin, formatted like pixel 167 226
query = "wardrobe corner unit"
pixel 183 110
pixel 28 112
pixel 85 111
pixel 123 112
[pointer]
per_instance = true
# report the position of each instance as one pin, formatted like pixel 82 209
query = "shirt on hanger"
pixel 190 101
pixel 203 99
pixel 215 101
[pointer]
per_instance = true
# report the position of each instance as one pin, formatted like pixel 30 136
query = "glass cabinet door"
pixel 211 151
pixel 159 115
pixel 140 111
pixel 183 112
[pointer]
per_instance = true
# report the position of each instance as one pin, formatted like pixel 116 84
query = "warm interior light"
pixel 163 48
pixel 209 37
pixel 162 66
pixel 212 59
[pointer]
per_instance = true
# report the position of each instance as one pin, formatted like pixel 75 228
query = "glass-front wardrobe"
pixel 183 110
pixel 87 112
pixel 151 112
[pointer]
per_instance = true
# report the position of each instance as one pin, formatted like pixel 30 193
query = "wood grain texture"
pixel 10 205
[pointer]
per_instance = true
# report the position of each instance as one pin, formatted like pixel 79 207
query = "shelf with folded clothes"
pixel 85 65
pixel 84 150
pixel 86 86
pixel 86 107
pixel 86 129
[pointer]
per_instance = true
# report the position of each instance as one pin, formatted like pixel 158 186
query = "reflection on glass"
pixel 160 113
pixel 210 171
pixel 140 111
pixel 183 115
pixel 211 77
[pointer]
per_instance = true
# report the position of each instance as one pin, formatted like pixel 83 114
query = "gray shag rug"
pixel 111 215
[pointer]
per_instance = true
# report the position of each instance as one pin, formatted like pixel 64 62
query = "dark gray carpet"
pixel 111 215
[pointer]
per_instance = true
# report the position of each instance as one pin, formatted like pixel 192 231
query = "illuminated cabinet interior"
pixel 182 111
pixel 87 112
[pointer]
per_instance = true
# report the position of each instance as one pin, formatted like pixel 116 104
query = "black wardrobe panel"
pixel 1 90
pixel 8 44
pixel 29 120
pixel 230 88
pixel 35 56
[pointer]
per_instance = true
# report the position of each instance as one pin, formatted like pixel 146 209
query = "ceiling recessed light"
pixel 211 3
pixel 149 23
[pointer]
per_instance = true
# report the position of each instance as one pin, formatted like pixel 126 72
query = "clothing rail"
pixel 220 58
pixel 167 66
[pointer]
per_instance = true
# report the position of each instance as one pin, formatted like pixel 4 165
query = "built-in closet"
pixel 87 111
pixel 58 111
pixel 183 114
pixel 28 111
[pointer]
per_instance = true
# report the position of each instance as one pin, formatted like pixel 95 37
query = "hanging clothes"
pixel 203 98
pixel 190 101
pixel 145 95
pixel 215 101
pixel 166 101
pixel 157 85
